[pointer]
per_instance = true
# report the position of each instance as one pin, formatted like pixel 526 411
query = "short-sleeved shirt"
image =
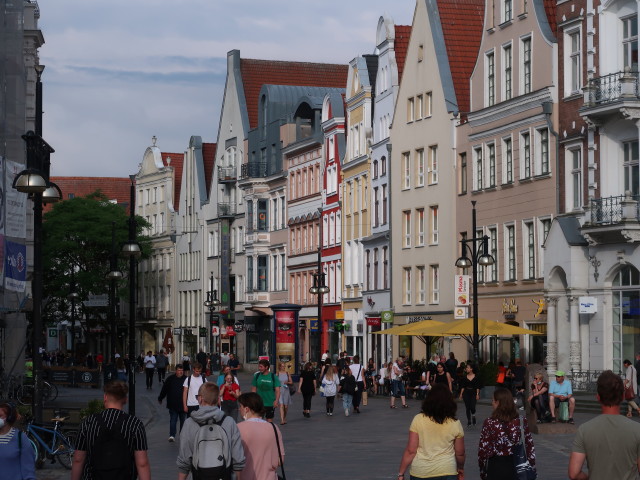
pixel 357 371
pixel 193 386
pixel 612 446
pixel 563 388
pixel 265 387
pixel 132 430
pixel 436 454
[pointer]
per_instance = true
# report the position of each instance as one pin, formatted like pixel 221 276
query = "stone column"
pixel 575 351
pixel 552 336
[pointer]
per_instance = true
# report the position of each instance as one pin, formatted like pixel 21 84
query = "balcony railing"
pixel 146 313
pixel 227 174
pixel 226 209
pixel 613 87
pixel 253 170
pixel 610 210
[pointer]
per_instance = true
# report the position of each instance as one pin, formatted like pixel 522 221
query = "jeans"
pixel 174 415
pixel 397 387
pixel 347 401
pixel 161 374
pixel 149 373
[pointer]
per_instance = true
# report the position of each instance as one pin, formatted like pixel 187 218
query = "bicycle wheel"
pixel 53 391
pixel 66 448
pixel 40 453
pixel 25 395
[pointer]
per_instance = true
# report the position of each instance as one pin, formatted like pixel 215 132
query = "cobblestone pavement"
pixel 364 446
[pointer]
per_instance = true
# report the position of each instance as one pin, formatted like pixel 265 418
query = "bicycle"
pixel 60 446
pixel 26 393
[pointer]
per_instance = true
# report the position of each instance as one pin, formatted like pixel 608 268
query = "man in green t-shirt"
pixel 610 443
pixel 267 385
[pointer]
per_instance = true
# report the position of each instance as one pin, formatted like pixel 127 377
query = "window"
pixel 433 164
pixel 573 63
pixel 376 207
pixel 410 109
pixel 406 167
pixel 332 228
pixel 463 173
pixel 385 267
pixel 479 168
pixel 375 169
pixel 420 227
pixel 407 228
pixel 510 253
pixel 491 79
pixel 263 224
pixel 250 280
pixel 367 276
pixel 631 172
pixel 491 148
pixel 375 269
pixel 433 225
pixel 383 166
pixel 530 250
pixel 543 151
pixel 493 251
pixel 428 104
pixel 384 204
pixel 406 280
pixel 525 147
pixel 526 65
pixel 338 227
pixel 507 11
pixel 507 59
pixel 507 161
pixel 434 286
pixel 419 106
pixel 574 194
pixel 420 168
pixel 420 286
pixel 480 234
pixel 630 42
pixel 325 230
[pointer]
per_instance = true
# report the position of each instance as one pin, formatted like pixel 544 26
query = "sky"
pixel 119 72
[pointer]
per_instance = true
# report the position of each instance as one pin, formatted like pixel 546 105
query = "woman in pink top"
pixel 258 440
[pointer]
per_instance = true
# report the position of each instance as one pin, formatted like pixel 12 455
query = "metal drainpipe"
pixel 547 110
pixel 389 219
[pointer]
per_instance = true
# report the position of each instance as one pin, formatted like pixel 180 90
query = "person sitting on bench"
pixel 559 392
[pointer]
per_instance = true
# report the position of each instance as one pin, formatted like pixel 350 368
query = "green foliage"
pixel 419 365
pixel 488 373
pixel 94 406
pixel 77 237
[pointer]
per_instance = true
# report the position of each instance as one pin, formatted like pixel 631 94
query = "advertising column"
pixel 286 344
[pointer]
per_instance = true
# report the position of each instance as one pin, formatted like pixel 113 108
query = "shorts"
pixel 269 413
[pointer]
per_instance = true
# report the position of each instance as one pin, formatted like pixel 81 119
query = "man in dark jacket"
pixel 172 389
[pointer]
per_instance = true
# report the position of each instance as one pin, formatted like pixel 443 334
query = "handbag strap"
pixel 275 430
pixel 522 434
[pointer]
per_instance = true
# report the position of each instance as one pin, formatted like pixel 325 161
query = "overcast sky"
pixel 118 72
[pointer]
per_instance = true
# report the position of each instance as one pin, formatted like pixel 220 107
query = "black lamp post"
pixel 211 303
pixel 114 275
pixel 34 181
pixel 73 297
pixel 319 287
pixel 132 250
pixel 480 256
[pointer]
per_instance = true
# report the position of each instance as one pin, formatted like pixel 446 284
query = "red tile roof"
pixel 462 22
pixel 114 188
pixel 177 161
pixel 401 44
pixel 256 73
pixel 208 157
pixel 550 9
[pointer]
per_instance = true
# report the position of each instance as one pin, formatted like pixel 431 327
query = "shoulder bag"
pixel 524 470
pixel 283 476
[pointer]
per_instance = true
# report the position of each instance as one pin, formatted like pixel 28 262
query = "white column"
pixel 575 353
pixel 552 336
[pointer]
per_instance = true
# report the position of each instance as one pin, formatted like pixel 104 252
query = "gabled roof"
pixel 461 22
pixel 546 13
pixel 208 158
pixel 114 188
pixel 256 73
pixel 401 45
pixel 177 161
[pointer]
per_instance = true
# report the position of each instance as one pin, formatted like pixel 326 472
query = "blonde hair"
pixel 330 372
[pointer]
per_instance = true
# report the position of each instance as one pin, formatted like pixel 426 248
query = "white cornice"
pixel 503 110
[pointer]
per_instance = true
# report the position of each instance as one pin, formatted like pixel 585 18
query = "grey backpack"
pixel 211 458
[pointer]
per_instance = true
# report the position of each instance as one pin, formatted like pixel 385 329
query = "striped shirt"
pixel 6 438
pixel 132 430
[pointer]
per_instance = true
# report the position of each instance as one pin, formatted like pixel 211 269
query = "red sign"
pixel 230 331
pixel 373 321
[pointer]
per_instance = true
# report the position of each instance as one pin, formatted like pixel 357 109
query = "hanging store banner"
pixel 15 266
pixel 373 321
pixel 15 203
pixel 387 316
pixel 462 290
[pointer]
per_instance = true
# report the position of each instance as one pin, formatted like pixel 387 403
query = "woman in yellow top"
pixel 435 449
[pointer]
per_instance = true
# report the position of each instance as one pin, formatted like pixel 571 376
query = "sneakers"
pixel 346 412
pixel 172 439
pixel 473 419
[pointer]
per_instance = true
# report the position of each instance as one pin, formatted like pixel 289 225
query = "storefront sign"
pixel 387 316
pixel 373 321
pixel 339 314
pixel 588 305
pixel 509 306
pixel 461 312
pixel 215 331
pixel 462 290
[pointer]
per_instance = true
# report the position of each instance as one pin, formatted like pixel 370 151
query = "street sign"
pixel 53 333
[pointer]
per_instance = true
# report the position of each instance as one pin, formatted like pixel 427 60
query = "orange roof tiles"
pixel 208 157
pixel 256 73
pixel 177 161
pixel 114 188
pixel 462 22
pixel 550 10
pixel 401 44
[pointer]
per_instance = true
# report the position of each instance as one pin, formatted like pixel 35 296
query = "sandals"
pixel 571 421
pixel 392 406
pixel 405 406
pixel 628 414
pixel 553 420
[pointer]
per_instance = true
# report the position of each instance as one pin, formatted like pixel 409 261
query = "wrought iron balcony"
pixel 227 174
pixel 612 88
pixel 613 219
pixel 226 210
pixel 610 210
pixel 253 170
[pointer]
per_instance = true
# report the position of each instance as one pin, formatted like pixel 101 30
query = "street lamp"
pixel 479 251
pixel 73 296
pixel 34 181
pixel 113 276
pixel 132 250
pixel 319 287
pixel 211 303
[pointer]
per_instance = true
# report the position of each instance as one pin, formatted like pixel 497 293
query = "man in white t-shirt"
pixel 358 373
pixel 149 368
pixel 190 389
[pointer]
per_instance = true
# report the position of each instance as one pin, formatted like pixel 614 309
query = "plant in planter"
pixel 488 373
pixel 94 406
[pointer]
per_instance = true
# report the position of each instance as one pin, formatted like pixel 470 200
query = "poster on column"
pixel 15 261
pixel 15 202
pixel 286 337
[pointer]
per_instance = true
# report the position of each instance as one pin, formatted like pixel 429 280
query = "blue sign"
pixel 15 266
pixel 313 325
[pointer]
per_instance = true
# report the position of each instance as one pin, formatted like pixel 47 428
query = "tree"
pixel 77 238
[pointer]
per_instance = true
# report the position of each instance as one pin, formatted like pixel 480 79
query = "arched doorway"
pixel 626 315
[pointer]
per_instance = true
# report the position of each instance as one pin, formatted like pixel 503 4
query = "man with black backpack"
pixel 210 443
pixel 111 444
